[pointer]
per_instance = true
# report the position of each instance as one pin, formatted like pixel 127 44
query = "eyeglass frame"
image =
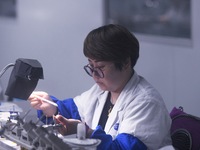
pixel 93 70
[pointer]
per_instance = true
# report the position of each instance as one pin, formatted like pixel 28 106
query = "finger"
pixel 63 130
pixel 40 93
pixel 36 104
pixel 55 120
pixel 32 98
pixel 60 119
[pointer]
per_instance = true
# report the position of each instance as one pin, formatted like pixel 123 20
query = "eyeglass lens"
pixel 98 72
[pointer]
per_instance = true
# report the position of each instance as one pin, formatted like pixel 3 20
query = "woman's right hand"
pixel 37 103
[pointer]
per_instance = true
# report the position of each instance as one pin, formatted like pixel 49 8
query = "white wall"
pixel 53 32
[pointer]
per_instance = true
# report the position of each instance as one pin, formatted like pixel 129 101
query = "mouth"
pixel 99 83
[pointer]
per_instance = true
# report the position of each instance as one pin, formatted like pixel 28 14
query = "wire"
pixel 6 68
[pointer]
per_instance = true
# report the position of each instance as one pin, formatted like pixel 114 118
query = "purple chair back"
pixel 185 130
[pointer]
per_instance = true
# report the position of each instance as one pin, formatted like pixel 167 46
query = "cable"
pixel 6 68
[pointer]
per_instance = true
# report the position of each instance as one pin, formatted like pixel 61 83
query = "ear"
pixel 127 63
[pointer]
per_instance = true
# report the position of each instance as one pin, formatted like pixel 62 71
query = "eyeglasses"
pixel 96 70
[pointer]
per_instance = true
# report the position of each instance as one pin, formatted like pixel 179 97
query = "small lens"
pixel 99 72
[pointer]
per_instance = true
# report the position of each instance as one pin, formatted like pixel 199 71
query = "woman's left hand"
pixel 69 125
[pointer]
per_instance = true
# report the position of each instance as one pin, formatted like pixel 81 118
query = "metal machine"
pixel 31 136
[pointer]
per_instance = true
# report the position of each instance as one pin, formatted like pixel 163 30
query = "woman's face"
pixel 113 79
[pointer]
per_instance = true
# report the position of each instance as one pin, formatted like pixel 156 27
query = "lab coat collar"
pixel 99 107
pixel 119 105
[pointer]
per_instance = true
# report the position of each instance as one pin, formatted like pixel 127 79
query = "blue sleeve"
pixel 123 141
pixel 66 108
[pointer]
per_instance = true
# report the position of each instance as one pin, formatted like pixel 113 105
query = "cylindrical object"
pixel 81 131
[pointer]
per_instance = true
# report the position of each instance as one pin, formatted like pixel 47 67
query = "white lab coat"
pixel 139 111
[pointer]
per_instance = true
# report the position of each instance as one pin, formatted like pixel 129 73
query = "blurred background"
pixel 53 33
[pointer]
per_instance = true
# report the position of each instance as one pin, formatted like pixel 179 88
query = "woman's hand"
pixel 37 103
pixel 69 125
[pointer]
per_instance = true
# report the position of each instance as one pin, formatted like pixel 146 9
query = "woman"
pixel 122 109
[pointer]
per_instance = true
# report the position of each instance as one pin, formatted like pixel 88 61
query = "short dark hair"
pixel 112 43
